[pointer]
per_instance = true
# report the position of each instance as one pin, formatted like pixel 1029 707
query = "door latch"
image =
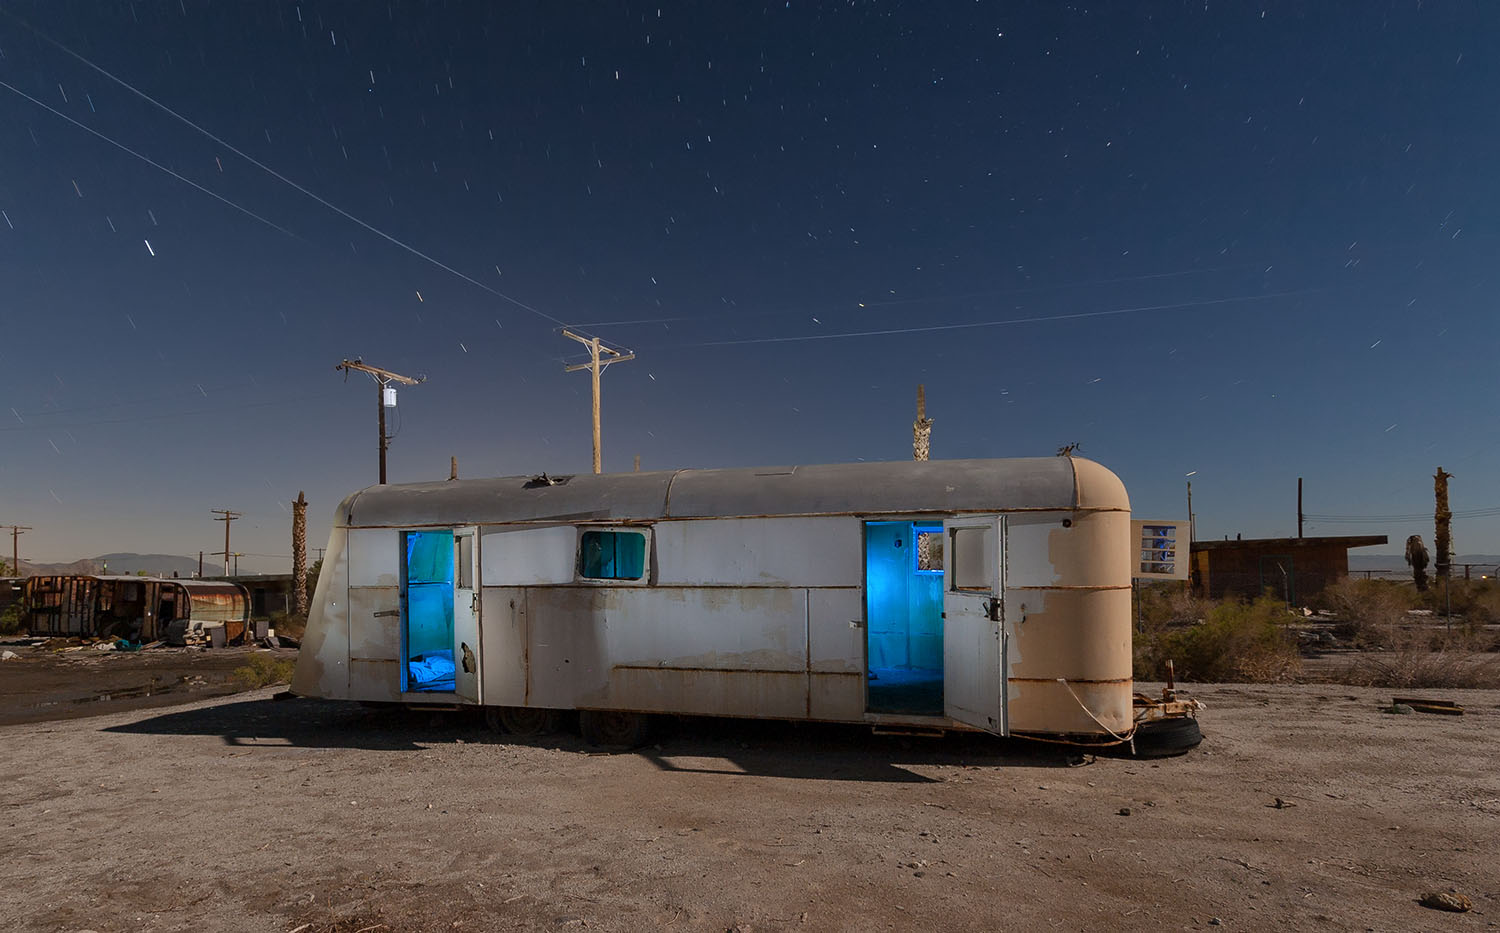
pixel 994 608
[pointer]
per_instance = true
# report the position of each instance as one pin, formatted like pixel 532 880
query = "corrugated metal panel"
pixel 937 486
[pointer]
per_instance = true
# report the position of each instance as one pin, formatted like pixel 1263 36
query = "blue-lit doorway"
pixel 427 612
pixel 904 617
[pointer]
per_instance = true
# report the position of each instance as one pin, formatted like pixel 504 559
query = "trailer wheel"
pixel 1164 738
pixel 520 720
pixel 614 729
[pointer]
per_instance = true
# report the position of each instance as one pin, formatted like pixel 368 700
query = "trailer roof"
pixel 900 487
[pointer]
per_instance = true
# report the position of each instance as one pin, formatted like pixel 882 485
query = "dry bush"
pixel 263 670
pixel 1234 641
pixel 1411 667
pixel 1369 611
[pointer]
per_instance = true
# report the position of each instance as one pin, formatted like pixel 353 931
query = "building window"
pixel 612 555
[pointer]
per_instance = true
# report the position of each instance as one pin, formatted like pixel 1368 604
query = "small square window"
pixel 929 550
pixel 612 555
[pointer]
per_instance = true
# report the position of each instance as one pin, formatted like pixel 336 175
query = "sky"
pixel 1224 244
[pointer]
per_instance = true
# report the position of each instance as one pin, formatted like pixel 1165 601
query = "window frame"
pixel 647 563
pixel 917 530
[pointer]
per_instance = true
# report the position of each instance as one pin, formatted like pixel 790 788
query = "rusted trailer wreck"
pixel 988 595
pixel 144 608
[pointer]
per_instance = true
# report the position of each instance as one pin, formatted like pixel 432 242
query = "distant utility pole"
pixel 226 516
pixel 387 396
pixel 15 551
pixel 596 365
pixel 921 429
pixel 1299 506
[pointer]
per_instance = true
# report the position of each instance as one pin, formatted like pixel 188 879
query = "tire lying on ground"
pixel 610 729
pixel 1163 738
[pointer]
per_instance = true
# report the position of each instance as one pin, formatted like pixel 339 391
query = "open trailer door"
pixel 466 653
pixel 974 622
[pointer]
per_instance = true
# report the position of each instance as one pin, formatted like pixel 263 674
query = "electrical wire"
pixel 273 173
pixel 148 161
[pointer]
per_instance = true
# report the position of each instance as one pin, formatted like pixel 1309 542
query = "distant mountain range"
pixel 155 565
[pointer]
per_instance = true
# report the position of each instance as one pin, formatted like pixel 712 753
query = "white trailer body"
pixel 975 594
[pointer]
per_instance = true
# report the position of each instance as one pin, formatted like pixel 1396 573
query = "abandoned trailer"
pixel 990 595
pixel 139 608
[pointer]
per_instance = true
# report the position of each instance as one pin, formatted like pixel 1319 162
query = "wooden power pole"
pixel 226 516
pixel 600 356
pixel 386 396
pixel 15 547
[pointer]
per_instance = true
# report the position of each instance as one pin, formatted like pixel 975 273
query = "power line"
pixel 275 174
pixel 930 328
pixel 148 161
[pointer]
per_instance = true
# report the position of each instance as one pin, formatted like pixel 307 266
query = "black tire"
pixel 1164 738
pixel 610 729
pixel 520 720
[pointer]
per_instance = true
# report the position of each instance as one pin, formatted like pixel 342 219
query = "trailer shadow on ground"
pixel 732 747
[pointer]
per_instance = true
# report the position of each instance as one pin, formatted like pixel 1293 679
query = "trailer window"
pixel 968 565
pixel 929 550
pixel 612 555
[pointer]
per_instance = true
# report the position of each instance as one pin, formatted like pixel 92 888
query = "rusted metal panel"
pixel 836 633
pixel 578 635
pixel 529 556
pixel 771 694
pixel 839 697
pixel 378 679
pixel 760 552
pixel 374 557
pixel 1092 550
pixel 323 663
pixel 503 619
pixel 375 623
pixel 1060 706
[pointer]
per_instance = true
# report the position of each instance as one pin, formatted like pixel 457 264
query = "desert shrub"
pixel 1369 611
pixel 11 619
pixel 1234 641
pixel 262 670
pixel 1415 666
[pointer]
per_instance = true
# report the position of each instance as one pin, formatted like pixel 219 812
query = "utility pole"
pixel 921 429
pixel 596 365
pixel 15 551
pixel 1299 506
pixel 386 396
pixel 226 516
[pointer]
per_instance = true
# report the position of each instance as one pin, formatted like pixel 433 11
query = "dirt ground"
pixel 247 813
pixel 42 684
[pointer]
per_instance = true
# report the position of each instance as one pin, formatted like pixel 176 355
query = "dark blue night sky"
pixel 1245 242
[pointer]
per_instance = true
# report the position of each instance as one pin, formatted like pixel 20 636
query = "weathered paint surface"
pixel 1067 613
pixel 758 616
pixel 323 663
pixel 781 552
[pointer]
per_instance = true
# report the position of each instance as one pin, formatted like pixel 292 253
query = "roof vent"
pixel 542 479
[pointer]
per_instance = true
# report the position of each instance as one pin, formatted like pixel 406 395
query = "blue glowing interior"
pixel 904 621
pixel 427 651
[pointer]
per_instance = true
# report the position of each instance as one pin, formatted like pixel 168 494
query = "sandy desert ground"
pixel 248 813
